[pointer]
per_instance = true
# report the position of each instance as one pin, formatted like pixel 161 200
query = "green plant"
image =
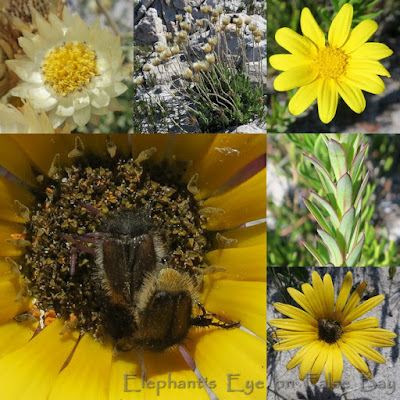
pixel 207 79
pixel 340 201
pixel 224 97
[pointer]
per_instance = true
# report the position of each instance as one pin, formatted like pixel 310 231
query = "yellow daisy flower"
pixel 216 179
pixel 345 66
pixel 326 330
pixel 71 71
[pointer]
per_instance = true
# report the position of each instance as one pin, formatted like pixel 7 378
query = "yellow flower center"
pixel 69 67
pixel 330 63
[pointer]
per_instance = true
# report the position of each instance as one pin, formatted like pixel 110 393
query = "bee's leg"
pixel 89 207
pixel 75 246
pixel 142 365
pixel 207 319
pixel 89 237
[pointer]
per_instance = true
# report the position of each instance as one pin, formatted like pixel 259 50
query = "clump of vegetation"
pixel 211 84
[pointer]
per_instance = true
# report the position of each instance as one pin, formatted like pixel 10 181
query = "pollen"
pixel 331 63
pixel 70 67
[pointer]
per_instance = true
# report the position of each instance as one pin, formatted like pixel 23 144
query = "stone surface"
pixel 150 29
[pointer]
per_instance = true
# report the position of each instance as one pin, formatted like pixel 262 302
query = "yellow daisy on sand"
pixel 344 66
pixel 57 358
pixel 71 71
pixel 326 330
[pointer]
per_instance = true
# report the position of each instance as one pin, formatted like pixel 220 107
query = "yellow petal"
pixel 9 192
pixel 296 313
pixel 5 267
pixel 41 149
pixel 313 350
pixel 340 28
pixel 288 334
pixel 15 160
pixel 319 291
pixel 343 293
pixel 355 359
pixel 311 29
pixel 301 300
pixel 369 66
pixel 295 77
pixel 359 35
pixel 363 308
pixel 141 142
pixel 327 100
pixel 302 339
pixel 100 145
pixel 304 97
pixel 313 300
pixel 189 147
pixel 230 358
pixel 125 377
pixel 369 337
pixel 333 366
pixel 353 301
pixel 87 374
pixel 248 236
pixel 237 207
pixel 295 43
pixel 329 293
pixel 319 364
pixel 7 248
pixel 364 350
pixel 298 357
pixel 37 364
pixel 353 96
pixel 14 335
pixel 371 322
pixel 166 373
pixel 248 306
pixel 366 81
pixel 227 155
pixel 373 51
pixel 291 324
pixel 244 263
pixel 283 62
pixel 10 291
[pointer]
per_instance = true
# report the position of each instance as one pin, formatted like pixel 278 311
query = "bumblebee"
pixel 147 303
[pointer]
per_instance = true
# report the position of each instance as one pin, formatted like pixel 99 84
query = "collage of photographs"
pixel 199 199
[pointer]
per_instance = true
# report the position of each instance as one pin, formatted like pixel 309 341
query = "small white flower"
pixel 69 70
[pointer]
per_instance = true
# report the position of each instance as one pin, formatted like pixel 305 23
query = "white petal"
pixel 81 101
pixel 65 111
pixel 82 116
pixel 102 100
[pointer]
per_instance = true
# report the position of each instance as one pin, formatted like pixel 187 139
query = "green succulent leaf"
pixel 344 193
pixel 327 207
pixel 346 227
pixel 336 257
pixel 337 156
pixel 319 216
pixel 326 180
pixel 353 258
pixel 315 254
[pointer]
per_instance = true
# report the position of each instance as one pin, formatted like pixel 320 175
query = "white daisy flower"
pixel 71 71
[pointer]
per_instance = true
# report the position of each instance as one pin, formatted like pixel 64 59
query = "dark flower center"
pixel 329 330
pixel 74 203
